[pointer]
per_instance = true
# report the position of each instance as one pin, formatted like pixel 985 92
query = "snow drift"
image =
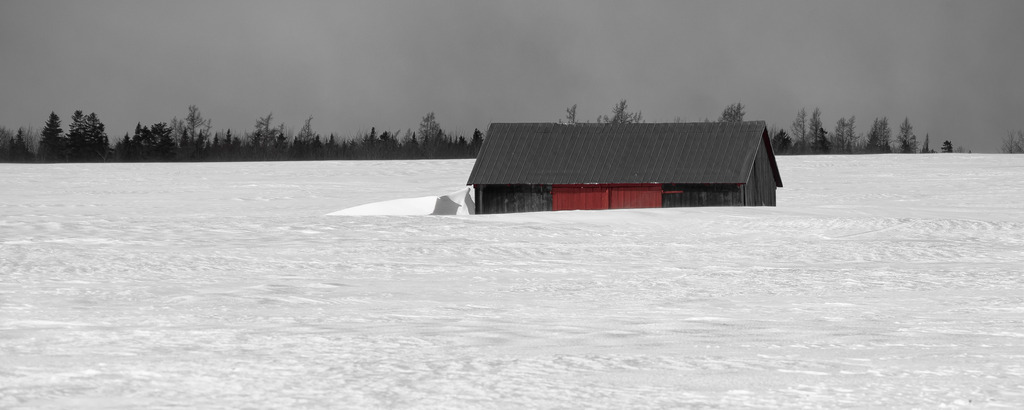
pixel 456 203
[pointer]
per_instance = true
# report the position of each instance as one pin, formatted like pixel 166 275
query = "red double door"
pixel 605 196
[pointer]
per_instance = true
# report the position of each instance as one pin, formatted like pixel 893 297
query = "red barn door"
pixel 609 196
pixel 635 196
pixel 569 197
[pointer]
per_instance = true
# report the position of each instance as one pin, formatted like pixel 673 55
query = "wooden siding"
pixel 499 199
pixel 503 199
pixel 760 187
pixel 685 195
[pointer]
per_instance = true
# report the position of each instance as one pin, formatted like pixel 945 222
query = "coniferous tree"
pixel 317 147
pixel 6 140
pixel 280 143
pixel 122 149
pixel 621 115
pixel 129 149
pixel 52 146
pixel 874 143
pixel 871 145
pixel 87 138
pixel 18 151
pixel 78 137
pixel 821 143
pixel 885 135
pixel 332 148
pixel 478 139
pixel 947 146
pixel 880 136
pixel 410 145
pixel 906 139
pixel 781 143
pixel 925 149
pixel 164 148
pixel 182 139
pixel 388 143
pixel 98 145
pixel 231 147
pixel 144 145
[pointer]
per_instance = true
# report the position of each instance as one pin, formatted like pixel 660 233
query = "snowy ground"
pixel 878 281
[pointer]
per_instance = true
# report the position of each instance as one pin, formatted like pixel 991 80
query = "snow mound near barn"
pixel 456 203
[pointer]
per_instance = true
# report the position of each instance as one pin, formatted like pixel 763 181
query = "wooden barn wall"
pixel 760 188
pixel 503 199
pixel 685 195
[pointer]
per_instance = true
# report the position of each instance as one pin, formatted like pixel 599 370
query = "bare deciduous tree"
pixel 306 133
pixel 819 137
pixel 1013 143
pixel 733 113
pixel 197 126
pixel 429 127
pixel 263 135
pixel 798 129
pixel 570 114
pixel 839 143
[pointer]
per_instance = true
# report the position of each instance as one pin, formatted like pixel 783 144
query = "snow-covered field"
pixel 878 281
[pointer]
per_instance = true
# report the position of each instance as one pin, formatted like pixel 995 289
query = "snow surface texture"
pixel 878 281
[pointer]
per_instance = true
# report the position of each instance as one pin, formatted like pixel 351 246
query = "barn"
pixel 527 167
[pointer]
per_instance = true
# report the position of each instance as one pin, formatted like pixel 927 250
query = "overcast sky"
pixel 953 67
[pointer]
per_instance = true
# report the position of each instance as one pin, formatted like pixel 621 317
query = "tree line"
pixel 809 136
pixel 191 139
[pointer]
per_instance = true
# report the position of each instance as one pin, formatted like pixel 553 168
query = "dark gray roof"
pixel 550 153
